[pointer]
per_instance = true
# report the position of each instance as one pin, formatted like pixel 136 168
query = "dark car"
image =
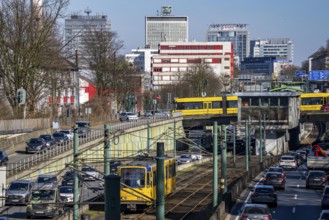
pixel 316 178
pixel 83 128
pixel 325 198
pixel 68 179
pixel 325 108
pixel 46 180
pixel 60 137
pixel 3 158
pixel 277 169
pixel 114 164
pixel 276 179
pixel 264 194
pixel 49 139
pixel 36 145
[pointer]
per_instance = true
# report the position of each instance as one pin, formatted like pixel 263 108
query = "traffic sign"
pixel 318 75
pixel 300 73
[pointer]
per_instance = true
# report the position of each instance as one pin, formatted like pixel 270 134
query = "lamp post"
pixel 309 70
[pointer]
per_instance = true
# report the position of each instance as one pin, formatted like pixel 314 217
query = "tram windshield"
pixel 133 177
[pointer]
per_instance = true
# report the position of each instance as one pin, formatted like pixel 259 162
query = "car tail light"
pixel 280 179
pixel 324 178
pixel 244 216
pixel 266 217
pixel 325 196
pixel 264 179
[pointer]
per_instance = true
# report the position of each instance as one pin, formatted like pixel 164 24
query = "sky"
pixel 305 22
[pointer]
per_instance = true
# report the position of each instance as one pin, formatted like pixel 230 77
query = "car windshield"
pixel 287 158
pixel 66 132
pixel 59 134
pixel 264 190
pixel 273 175
pixel 275 169
pixel 184 156
pixel 19 186
pixel 66 190
pixel 43 179
pixel 2 154
pixel 46 137
pixel 130 113
pixel 255 210
pixel 133 177
pixel 43 194
pixel 68 174
pixel 82 124
pixel 88 169
pixel 317 174
pixel 35 141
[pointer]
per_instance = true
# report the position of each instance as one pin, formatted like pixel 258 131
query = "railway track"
pixel 194 191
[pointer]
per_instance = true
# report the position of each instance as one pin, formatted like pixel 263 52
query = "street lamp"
pixel 309 70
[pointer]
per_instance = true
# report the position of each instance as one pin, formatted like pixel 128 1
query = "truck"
pixel 318 159
pixel 44 201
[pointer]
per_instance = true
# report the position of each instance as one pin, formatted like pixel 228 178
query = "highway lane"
pixel 295 202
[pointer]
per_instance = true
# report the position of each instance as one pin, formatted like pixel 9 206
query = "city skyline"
pixel 303 22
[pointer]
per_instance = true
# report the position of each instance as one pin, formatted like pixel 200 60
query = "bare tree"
pixel 27 46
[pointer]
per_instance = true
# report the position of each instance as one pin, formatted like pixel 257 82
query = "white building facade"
pixel 281 48
pixel 175 60
pixel 165 28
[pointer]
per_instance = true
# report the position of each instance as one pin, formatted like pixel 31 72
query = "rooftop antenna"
pixel 87 11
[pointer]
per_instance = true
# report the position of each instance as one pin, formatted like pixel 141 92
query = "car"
pixel 302 154
pixel 277 169
pixel 68 132
pixel 36 145
pixel 68 179
pixel 324 215
pixel 276 179
pixel 49 139
pixel 114 164
pixel 3 158
pixel 128 116
pixel 196 153
pixel 61 138
pixel 19 192
pixel 89 173
pixel 66 194
pixel 148 114
pixel 159 114
pixel 255 211
pixel 83 128
pixel 288 162
pixel 46 180
pixel 264 194
pixel 297 157
pixel 325 108
pixel 316 179
pixel 185 158
pixel 325 198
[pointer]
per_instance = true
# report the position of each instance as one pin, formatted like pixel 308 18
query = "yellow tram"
pixel 138 182
pixel 313 101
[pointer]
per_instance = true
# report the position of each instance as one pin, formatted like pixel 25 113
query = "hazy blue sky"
pixel 305 22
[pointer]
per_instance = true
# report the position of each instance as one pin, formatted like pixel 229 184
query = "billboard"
pixel 279 67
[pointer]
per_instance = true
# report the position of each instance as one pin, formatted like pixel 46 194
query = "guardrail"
pixel 35 159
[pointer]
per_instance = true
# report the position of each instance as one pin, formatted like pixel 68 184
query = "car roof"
pixel 264 186
pixel 22 181
pixel 325 211
pixel 256 205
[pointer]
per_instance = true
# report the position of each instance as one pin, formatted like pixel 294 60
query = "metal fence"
pixel 35 159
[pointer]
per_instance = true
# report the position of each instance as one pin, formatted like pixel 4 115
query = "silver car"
pixel 128 116
pixel 255 212
pixel 19 192
pixel 89 173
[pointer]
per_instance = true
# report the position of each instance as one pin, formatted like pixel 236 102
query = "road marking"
pixel 297 185
pixel 293 210
pixel 295 196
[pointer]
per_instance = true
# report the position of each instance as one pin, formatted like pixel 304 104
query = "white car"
pixel 288 161
pixel 128 116
pixel 185 158
pixel 68 132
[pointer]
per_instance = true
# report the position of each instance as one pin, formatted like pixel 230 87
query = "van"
pixel 18 192
pixel 44 202
pixel 83 128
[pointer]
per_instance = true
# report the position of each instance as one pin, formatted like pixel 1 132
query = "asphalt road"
pixel 295 202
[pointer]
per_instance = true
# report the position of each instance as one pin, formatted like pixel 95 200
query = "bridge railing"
pixel 37 158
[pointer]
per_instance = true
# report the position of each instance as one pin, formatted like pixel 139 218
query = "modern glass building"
pixel 165 28
pixel 75 28
pixel 238 34
pixel 258 65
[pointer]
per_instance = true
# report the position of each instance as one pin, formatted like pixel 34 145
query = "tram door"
pixel 207 107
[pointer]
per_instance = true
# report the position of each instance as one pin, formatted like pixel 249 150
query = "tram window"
pixel 283 102
pixel 171 171
pixel 154 177
pixel 167 172
pixel 231 104
pixel 254 101
pixel 264 101
pixel 245 101
pixel 148 181
pixel 312 101
pixel 274 102
pixel 216 104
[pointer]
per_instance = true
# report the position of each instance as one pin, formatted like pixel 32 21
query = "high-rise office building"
pixel 238 34
pixel 281 48
pixel 77 26
pixel 165 28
